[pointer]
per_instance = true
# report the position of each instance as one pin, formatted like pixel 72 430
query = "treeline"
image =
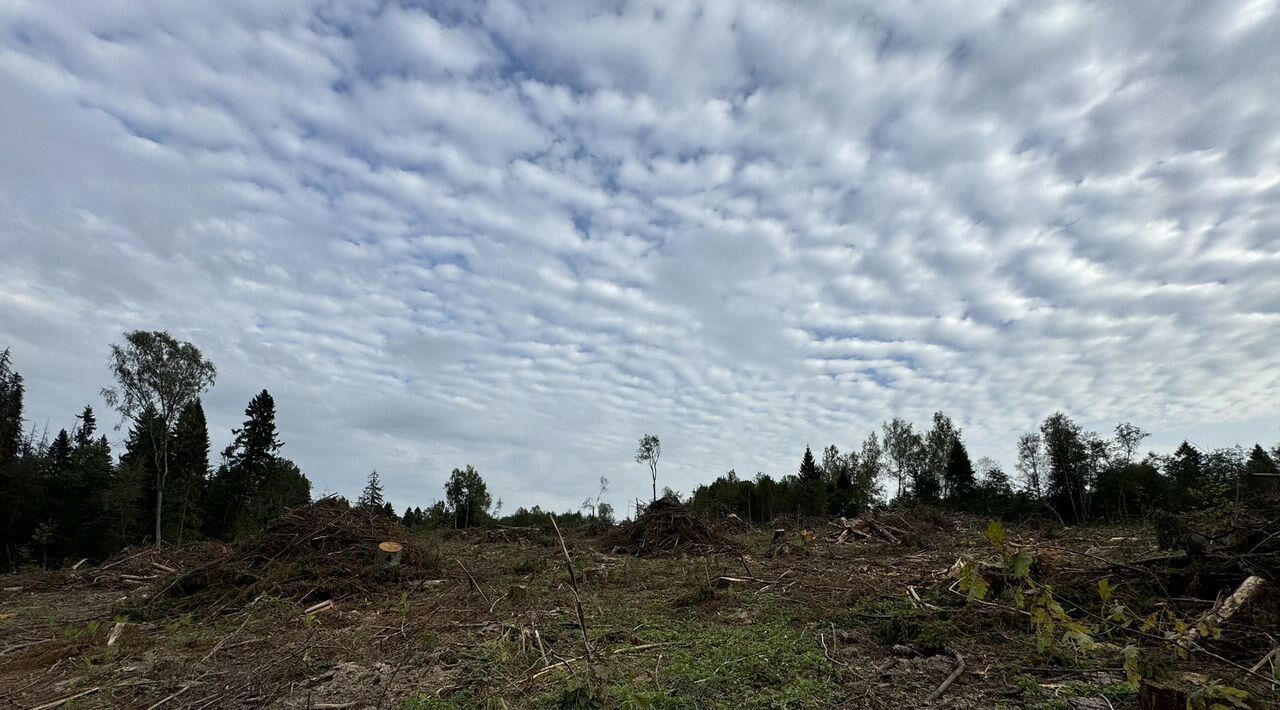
pixel 1064 471
pixel 467 503
pixel 66 497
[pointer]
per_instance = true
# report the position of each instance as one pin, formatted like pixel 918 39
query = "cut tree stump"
pixel 1153 696
pixel 389 554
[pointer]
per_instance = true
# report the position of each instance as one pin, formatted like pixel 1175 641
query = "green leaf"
pixel 1105 590
pixel 995 534
pixel 1020 566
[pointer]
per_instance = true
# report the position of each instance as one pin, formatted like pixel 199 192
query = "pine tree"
pixel 371 498
pixel 809 468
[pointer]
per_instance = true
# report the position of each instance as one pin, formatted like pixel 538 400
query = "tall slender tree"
pixel 938 443
pixel 648 452
pixel 155 370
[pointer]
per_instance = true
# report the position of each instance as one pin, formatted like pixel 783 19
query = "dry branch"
pixel 937 692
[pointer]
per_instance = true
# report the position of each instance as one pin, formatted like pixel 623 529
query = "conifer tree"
pixel 961 481
pixel 11 391
pixel 189 476
pixel 809 468
pixel 1184 471
pixel 371 497
pixel 247 462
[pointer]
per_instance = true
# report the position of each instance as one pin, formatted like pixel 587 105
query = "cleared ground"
pixel 488 619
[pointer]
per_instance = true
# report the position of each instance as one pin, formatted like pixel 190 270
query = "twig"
pixel 618 652
pixel 69 698
pixel 1258 666
pixel 474 583
pixel 827 653
pixel 573 584
pixel 937 693
pixel 173 695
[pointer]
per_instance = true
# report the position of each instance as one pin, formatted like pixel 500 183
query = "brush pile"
pixel 1223 545
pixel 311 554
pixel 665 527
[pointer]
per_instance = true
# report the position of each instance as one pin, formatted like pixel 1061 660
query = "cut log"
pixel 326 605
pixel 1220 614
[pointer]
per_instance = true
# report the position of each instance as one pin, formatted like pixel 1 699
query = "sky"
pixel 523 235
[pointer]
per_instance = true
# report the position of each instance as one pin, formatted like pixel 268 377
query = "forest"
pixel 68 496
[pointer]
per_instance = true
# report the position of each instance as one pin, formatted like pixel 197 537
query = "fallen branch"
pixel 1244 594
pixel 474 583
pixel 573 584
pixel 69 698
pixel 617 652
pixel 937 692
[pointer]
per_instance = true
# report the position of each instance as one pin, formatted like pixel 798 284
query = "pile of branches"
pixel 136 566
pixel 519 535
pixel 732 525
pixel 920 526
pixel 310 554
pixel 867 529
pixel 665 527
pixel 1225 544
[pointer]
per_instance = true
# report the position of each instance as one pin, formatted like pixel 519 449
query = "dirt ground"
pixel 488 619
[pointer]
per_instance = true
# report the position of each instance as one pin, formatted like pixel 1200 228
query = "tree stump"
pixel 1153 696
pixel 389 555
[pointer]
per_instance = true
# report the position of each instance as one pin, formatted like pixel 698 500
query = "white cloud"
pixel 522 236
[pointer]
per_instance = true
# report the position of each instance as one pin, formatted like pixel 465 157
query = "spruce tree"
pixel 1184 471
pixel 809 468
pixel 961 481
pixel 1259 461
pixel 247 462
pixel 189 475
pixel 371 498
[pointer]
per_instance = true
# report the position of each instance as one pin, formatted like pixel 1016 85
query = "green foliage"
pixel 467 497
pixel 1216 696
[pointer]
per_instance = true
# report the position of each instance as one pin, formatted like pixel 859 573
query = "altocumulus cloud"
pixel 522 235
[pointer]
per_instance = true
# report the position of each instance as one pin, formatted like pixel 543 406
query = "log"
pixel 1217 616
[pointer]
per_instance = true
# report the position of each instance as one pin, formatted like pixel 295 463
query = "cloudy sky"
pixel 522 235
